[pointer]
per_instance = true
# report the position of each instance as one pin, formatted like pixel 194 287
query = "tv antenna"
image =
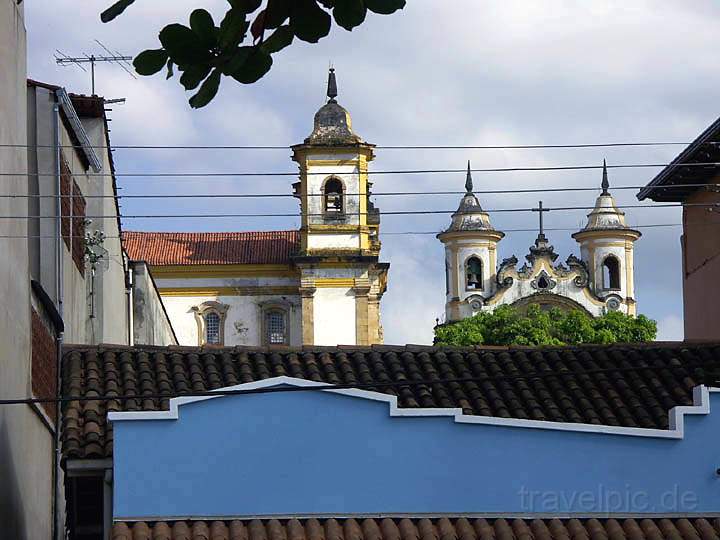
pixel 114 57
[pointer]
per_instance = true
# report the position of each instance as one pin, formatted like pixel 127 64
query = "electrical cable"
pixel 389 233
pixel 370 173
pixel 378 194
pixel 384 213
pixel 383 147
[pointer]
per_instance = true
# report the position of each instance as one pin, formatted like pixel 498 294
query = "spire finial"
pixel 468 180
pixel 332 84
pixel 605 183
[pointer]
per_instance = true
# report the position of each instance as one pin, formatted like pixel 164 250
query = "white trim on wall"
pixel 676 430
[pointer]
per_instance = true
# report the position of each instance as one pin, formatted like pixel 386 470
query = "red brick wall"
pixel 72 204
pixel 44 363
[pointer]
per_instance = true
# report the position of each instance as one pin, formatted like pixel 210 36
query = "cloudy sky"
pixel 466 72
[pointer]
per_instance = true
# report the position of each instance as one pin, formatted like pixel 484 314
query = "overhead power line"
pixel 370 173
pixel 379 146
pixel 393 233
pixel 385 213
pixel 378 194
pixel 364 386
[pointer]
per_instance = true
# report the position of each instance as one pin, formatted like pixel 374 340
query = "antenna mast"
pixel 115 57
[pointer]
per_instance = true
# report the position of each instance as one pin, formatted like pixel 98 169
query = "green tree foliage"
pixel 506 326
pixel 240 48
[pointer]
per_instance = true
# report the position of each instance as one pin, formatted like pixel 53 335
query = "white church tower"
pixel 470 257
pixel 606 247
pixel 341 278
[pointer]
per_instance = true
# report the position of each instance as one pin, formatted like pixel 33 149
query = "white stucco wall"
pixel 334 316
pixel 316 178
pixel 108 323
pixel 601 251
pixel 25 444
pixel 317 174
pixel 243 323
pixel 111 299
pixel 330 241
pixel 151 325
pixel 482 253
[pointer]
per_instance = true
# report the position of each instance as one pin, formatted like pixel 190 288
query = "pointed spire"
pixel 332 91
pixel 468 180
pixel 605 183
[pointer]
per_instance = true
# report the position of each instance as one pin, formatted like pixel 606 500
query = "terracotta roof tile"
pixel 446 528
pixel 177 248
pixel 565 393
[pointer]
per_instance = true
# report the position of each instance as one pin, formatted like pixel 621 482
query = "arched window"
pixel 210 317
pixel 276 327
pixel 333 204
pixel 212 328
pixel 611 272
pixel 474 273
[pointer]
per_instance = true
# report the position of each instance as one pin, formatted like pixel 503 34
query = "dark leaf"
pixel 232 28
pixel 328 3
pixel 349 13
pixel 207 91
pixel 246 6
pixel 183 45
pixel 202 24
pixel 116 9
pixel 276 13
pixel 194 75
pixel 233 61
pixel 309 21
pixel 278 40
pixel 258 26
pixel 170 69
pixel 384 7
pixel 151 61
pixel 257 64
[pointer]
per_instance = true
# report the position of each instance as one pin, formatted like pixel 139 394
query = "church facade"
pixel 599 281
pixel 321 285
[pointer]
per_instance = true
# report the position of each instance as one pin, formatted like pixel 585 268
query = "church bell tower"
pixel 607 245
pixel 342 280
pixel 470 257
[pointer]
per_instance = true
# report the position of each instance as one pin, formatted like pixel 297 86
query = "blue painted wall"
pixel 321 453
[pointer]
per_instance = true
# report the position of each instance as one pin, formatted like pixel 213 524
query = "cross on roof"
pixel 540 211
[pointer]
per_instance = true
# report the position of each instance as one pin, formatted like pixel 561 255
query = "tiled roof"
pixel 616 392
pixel 175 248
pixel 445 528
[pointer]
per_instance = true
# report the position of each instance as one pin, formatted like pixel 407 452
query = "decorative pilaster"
pixel 375 331
pixel 307 294
pixel 361 290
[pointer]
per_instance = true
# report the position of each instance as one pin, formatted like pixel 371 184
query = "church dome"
pixel 470 216
pixel 333 125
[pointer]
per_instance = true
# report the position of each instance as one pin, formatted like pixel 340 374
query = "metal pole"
pixel 92 73
pixel 130 302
